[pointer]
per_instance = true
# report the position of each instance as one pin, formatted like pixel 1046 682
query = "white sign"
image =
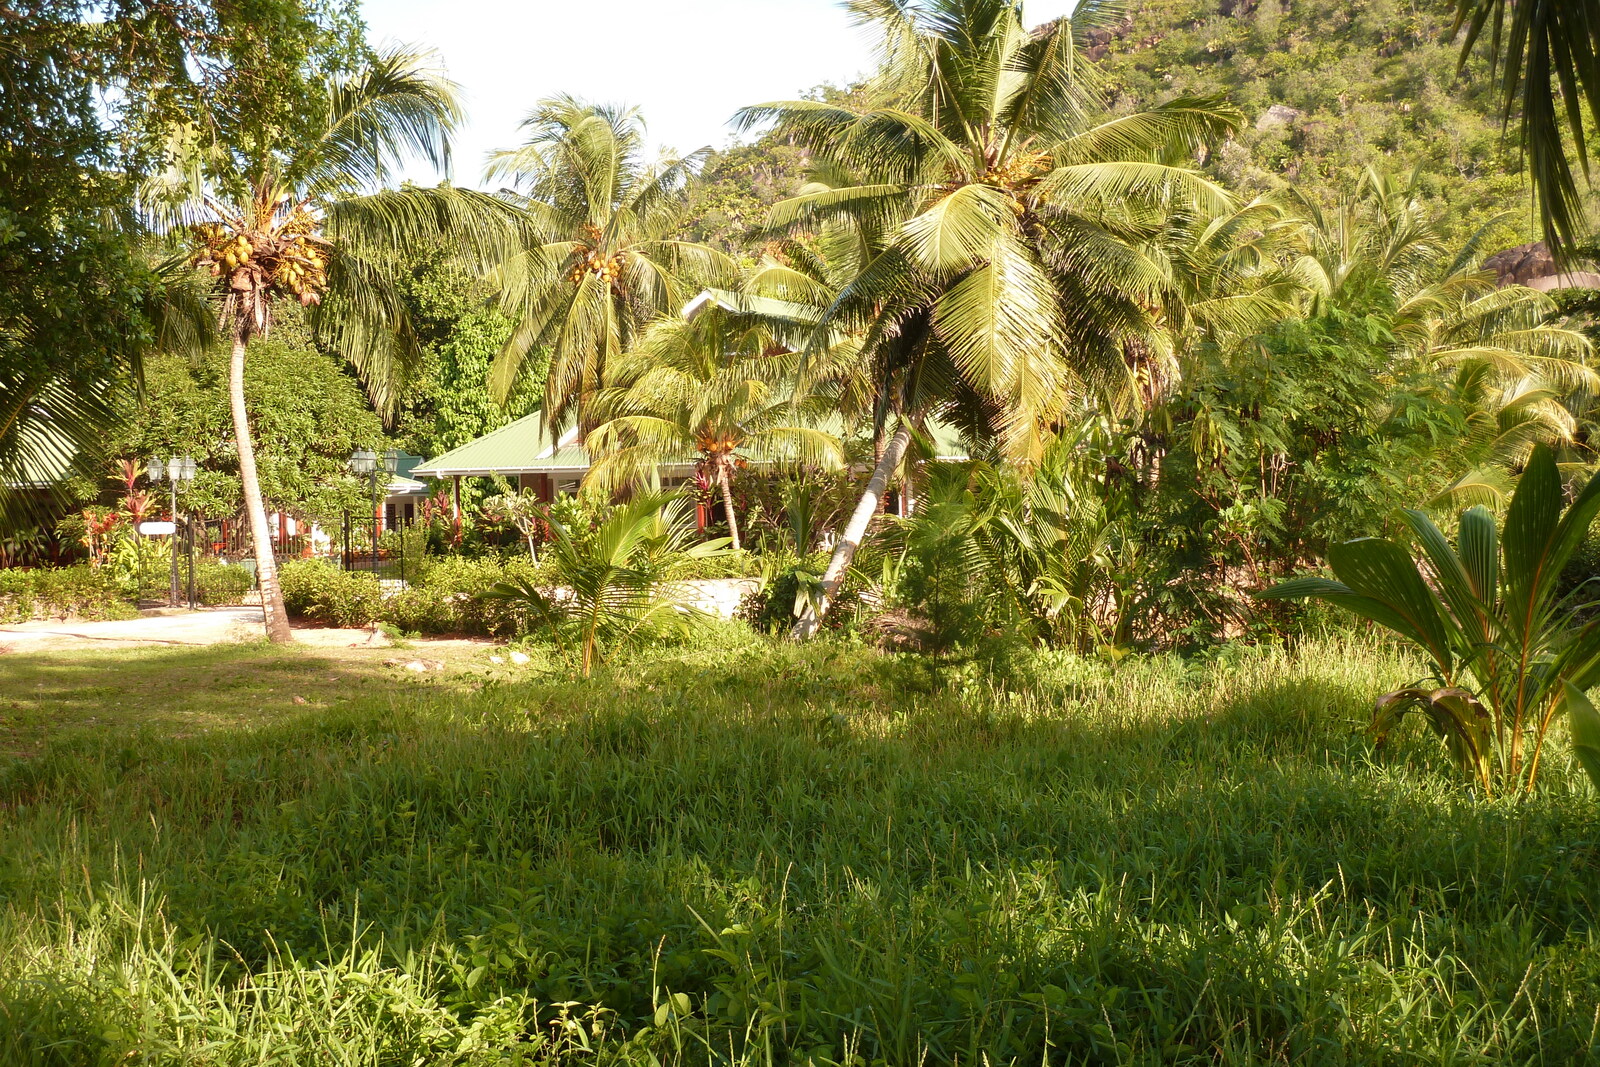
pixel 157 529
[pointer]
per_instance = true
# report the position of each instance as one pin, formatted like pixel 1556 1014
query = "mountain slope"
pixel 1329 88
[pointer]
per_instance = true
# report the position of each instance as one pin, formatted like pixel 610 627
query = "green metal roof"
pixel 520 447
pixel 523 447
pixel 46 459
pixel 946 441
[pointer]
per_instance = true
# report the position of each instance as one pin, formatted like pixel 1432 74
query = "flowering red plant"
pixel 97 523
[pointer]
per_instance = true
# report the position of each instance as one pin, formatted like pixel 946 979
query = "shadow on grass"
pixel 1146 866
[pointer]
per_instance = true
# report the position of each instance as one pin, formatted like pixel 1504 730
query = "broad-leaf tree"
pixel 1001 214
pixel 604 257
pixel 306 219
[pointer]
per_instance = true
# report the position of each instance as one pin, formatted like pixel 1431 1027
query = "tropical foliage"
pixel 307 415
pixel 604 257
pixel 1546 59
pixel 605 586
pixel 711 390
pixel 1052 370
pixel 89 93
pixel 1508 645
pixel 275 219
pixel 1112 377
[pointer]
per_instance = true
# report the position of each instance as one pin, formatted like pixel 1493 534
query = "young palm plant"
pixel 606 587
pixel 1002 216
pixel 710 389
pixel 301 221
pixel 1508 649
pixel 603 259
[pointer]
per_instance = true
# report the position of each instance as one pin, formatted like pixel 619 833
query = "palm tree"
pixel 712 387
pixel 1002 219
pixel 301 221
pixel 1508 361
pixel 602 261
pixel 608 585
pixel 1546 57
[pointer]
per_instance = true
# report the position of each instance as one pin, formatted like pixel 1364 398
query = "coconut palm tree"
pixel 602 261
pixel 309 221
pixel 1003 216
pixel 712 388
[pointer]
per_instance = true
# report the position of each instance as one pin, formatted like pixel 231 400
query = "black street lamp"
pixel 176 469
pixel 365 461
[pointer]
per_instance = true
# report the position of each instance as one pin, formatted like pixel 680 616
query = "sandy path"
pixel 207 626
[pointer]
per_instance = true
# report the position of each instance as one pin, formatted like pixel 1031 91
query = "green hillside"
pixel 1328 88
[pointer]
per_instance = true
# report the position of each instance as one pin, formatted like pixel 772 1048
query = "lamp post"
pixel 365 461
pixel 175 469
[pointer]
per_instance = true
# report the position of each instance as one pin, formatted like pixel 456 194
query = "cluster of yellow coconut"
pixel 607 268
pixel 1021 170
pixel 289 256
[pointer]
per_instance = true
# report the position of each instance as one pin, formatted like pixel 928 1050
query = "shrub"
pixel 16 595
pixel 419 610
pixel 721 565
pixel 221 584
pixel 79 591
pixel 771 608
pixel 406 548
pixel 139 566
pixel 450 597
pixel 318 590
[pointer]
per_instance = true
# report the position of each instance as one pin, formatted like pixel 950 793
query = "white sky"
pixel 690 64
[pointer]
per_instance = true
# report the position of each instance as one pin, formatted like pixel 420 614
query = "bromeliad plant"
pixel 1509 650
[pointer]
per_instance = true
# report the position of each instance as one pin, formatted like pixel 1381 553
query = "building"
pixel 523 453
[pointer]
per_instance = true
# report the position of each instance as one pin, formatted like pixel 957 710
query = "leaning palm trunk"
pixel 272 610
pixel 727 500
pixel 854 531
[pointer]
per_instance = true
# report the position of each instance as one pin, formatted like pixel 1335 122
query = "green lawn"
pixel 178 693
pixel 773 854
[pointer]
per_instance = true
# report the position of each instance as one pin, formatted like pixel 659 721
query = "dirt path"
pixel 207 626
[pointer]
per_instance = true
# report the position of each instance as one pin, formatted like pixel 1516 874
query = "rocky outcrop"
pixel 1521 265
pixel 1276 116
pixel 1097 42
pixel 1533 265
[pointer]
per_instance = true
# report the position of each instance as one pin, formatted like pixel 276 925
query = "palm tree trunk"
pixel 272 610
pixel 854 531
pixel 727 500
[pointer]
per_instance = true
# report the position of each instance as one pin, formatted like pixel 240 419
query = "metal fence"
pixel 391 545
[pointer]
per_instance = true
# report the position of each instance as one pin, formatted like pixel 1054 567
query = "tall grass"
pixel 789 855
